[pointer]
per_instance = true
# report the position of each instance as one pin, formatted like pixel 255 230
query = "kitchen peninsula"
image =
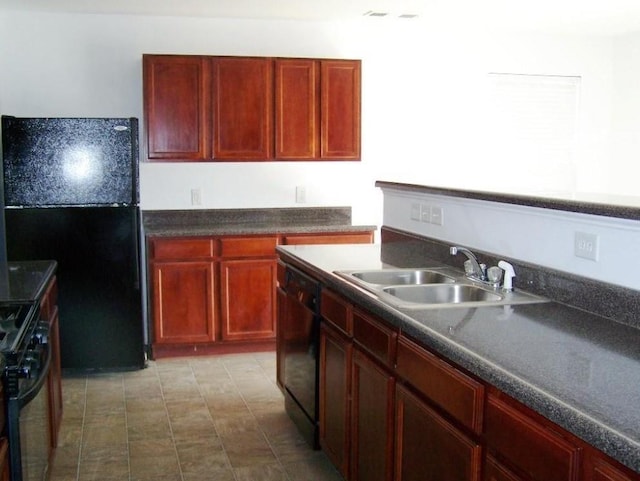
pixel 535 391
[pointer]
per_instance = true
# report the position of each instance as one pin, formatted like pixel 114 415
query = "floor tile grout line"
pixel 224 449
pixel 262 431
pixel 166 410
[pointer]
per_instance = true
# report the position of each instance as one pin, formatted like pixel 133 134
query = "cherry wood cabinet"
pixel 297 109
pixel 329 238
pixel 183 283
pixel 448 388
pixel 242 96
pixel 217 293
pixel 334 396
pixel 428 447
pixel 5 468
pixel 445 423
pixel 530 447
pixel 317 109
pixel 251 108
pixel 601 469
pixel 248 294
pixel 177 110
pixel 49 312
pixel 372 421
pixel 340 108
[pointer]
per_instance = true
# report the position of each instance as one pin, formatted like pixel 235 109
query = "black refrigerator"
pixel 71 194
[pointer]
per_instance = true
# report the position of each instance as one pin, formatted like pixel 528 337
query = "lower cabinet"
pixel 428 447
pixel 527 445
pixel 391 409
pixel 334 396
pixel 372 421
pixel 218 293
pixel 49 312
pixel 5 468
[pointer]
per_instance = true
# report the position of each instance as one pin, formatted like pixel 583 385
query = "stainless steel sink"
pixel 393 277
pixel 442 294
pixel 432 288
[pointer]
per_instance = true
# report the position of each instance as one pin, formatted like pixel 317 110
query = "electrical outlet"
pixel 437 215
pixel 196 196
pixel 585 245
pixel 425 213
pixel 415 211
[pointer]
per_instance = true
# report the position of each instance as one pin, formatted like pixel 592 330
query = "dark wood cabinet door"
pixel 494 471
pixel 176 107
pixel 539 452
pixel 183 302
pixel 428 448
pixel 600 469
pixel 340 109
pixel 242 98
pixel 54 380
pixel 297 109
pixel 335 386
pixel 372 420
pixel 248 299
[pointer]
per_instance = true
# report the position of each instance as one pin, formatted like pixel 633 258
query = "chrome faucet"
pixel 478 271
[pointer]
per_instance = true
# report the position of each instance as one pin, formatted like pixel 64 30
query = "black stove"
pixel 27 358
pixel 14 322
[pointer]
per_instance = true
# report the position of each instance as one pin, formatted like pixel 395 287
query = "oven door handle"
pixel 26 397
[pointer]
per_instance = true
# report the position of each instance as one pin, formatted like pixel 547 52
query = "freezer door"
pixel 70 161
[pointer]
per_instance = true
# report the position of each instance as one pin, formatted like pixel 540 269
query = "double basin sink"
pixel 436 287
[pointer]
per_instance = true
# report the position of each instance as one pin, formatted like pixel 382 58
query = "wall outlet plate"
pixel 585 245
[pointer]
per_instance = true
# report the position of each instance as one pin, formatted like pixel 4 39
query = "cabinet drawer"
pixel 450 389
pixel 248 246
pixel 182 248
pixel 336 311
pixel 529 446
pixel 346 238
pixel 375 337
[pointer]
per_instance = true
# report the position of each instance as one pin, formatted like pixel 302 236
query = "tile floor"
pixel 202 418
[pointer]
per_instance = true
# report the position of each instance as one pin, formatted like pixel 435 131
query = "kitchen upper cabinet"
pixel 177 110
pixel 317 109
pixel 297 109
pixel 340 109
pixel 242 108
pixel 251 108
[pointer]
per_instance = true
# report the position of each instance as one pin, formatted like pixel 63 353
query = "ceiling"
pixel 609 17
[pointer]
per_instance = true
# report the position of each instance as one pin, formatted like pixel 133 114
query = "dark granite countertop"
pixel 579 370
pixel 610 206
pixel 27 280
pixel 306 220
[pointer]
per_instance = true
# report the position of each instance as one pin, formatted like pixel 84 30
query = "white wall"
pixel 424 100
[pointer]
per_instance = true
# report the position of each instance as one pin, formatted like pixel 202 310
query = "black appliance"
pixel 299 328
pixel 25 347
pixel 71 195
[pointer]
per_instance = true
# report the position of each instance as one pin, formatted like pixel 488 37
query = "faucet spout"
pixel 478 271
